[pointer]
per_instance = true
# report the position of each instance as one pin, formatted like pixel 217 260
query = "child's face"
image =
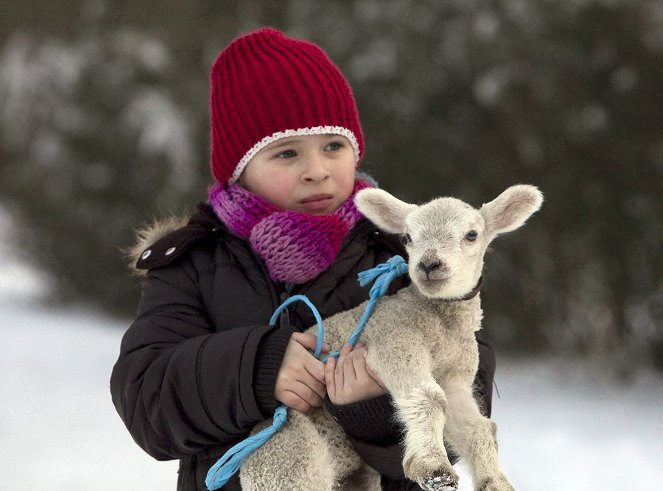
pixel 311 174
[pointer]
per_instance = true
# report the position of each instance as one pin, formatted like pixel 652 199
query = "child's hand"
pixel 300 383
pixel 349 379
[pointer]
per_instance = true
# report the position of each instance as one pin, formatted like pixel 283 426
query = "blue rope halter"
pixel 231 461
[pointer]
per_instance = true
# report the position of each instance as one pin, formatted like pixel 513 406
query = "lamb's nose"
pixel 427 268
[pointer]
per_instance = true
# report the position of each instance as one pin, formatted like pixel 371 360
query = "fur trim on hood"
pixel 150 234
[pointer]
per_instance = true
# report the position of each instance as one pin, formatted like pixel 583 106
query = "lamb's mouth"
pixel 432 283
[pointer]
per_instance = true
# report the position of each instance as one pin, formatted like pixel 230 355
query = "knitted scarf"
pixel 296 247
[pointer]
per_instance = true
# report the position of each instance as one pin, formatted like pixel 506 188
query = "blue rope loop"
pixel 316 314
pixel 231 461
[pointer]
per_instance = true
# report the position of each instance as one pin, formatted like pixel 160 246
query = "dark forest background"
pixel 103 125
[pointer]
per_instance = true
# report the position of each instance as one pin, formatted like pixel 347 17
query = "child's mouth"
pixel 317 202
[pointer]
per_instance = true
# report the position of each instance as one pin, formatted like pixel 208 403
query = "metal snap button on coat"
pixel 146 254
pixel 170 251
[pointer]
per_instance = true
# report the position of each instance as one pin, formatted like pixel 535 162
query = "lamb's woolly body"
pixel 421 344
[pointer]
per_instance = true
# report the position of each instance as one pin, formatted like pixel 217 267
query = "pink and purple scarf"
pixel 296 247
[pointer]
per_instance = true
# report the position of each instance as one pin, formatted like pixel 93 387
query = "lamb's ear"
pixel 511 209
pixel 384 210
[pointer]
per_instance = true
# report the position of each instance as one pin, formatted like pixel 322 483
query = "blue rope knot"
pixel 383 274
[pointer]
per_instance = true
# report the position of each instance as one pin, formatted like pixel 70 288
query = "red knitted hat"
pixel 265 86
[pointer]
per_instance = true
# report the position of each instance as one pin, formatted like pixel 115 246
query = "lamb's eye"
pixel 471 235
pixel 406 239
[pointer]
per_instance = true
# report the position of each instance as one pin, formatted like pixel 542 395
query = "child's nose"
pixel 316 169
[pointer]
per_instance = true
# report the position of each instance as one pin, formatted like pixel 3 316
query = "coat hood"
pixel 149 235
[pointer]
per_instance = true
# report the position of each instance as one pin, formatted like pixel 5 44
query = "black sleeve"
pixel 267 365
pixel 373 431
pixel 178 385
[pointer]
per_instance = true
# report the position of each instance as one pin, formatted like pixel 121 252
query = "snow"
pixel 559 429
pixel 58 427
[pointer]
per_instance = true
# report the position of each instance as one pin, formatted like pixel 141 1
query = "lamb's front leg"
pixel 421 407
pixel 474 437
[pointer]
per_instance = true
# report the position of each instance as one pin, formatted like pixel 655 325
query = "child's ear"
pixel 384 210
pixel 511 209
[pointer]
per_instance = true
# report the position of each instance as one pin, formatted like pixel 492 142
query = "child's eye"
pixel 286 154
pixel 333 146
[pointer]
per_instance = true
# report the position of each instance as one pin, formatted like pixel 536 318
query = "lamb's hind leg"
pixel 295 458
pixel 474 437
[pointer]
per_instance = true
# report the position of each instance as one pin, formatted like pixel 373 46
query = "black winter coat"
pixel 197 367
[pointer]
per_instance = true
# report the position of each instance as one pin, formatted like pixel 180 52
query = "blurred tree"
pixel 104 122
pixel 96 140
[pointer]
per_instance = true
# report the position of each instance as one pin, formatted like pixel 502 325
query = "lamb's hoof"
pixel 500 484
pixel 433 472
pixel 443 482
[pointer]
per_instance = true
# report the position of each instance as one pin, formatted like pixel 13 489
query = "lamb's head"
pixel 446 238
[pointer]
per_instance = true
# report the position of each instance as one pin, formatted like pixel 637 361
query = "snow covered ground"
pixel 558 430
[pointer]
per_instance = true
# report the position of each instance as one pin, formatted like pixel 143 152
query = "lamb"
pixel 421 343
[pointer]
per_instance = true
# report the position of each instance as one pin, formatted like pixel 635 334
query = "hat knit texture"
pixel 296 247
pixel 266 86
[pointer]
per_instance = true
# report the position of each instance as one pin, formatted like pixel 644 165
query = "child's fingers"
pixel 307 393
pixel 330 378
pixel 300 366
pixel 361 367
pixel 349 372
pixel 302 392
pixel 359 362
pixel 372 374
pixel 314 367
pixel 339 372
pixel 316 381
pixel 308 341
pixel 294 401
pixel 346 348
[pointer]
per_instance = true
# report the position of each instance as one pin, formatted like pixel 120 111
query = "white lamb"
pixel 421 342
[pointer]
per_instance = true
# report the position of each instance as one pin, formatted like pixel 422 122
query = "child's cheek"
pixel 348 185
pixel 279 192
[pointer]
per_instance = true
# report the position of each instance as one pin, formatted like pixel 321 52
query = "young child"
pixel 200 367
